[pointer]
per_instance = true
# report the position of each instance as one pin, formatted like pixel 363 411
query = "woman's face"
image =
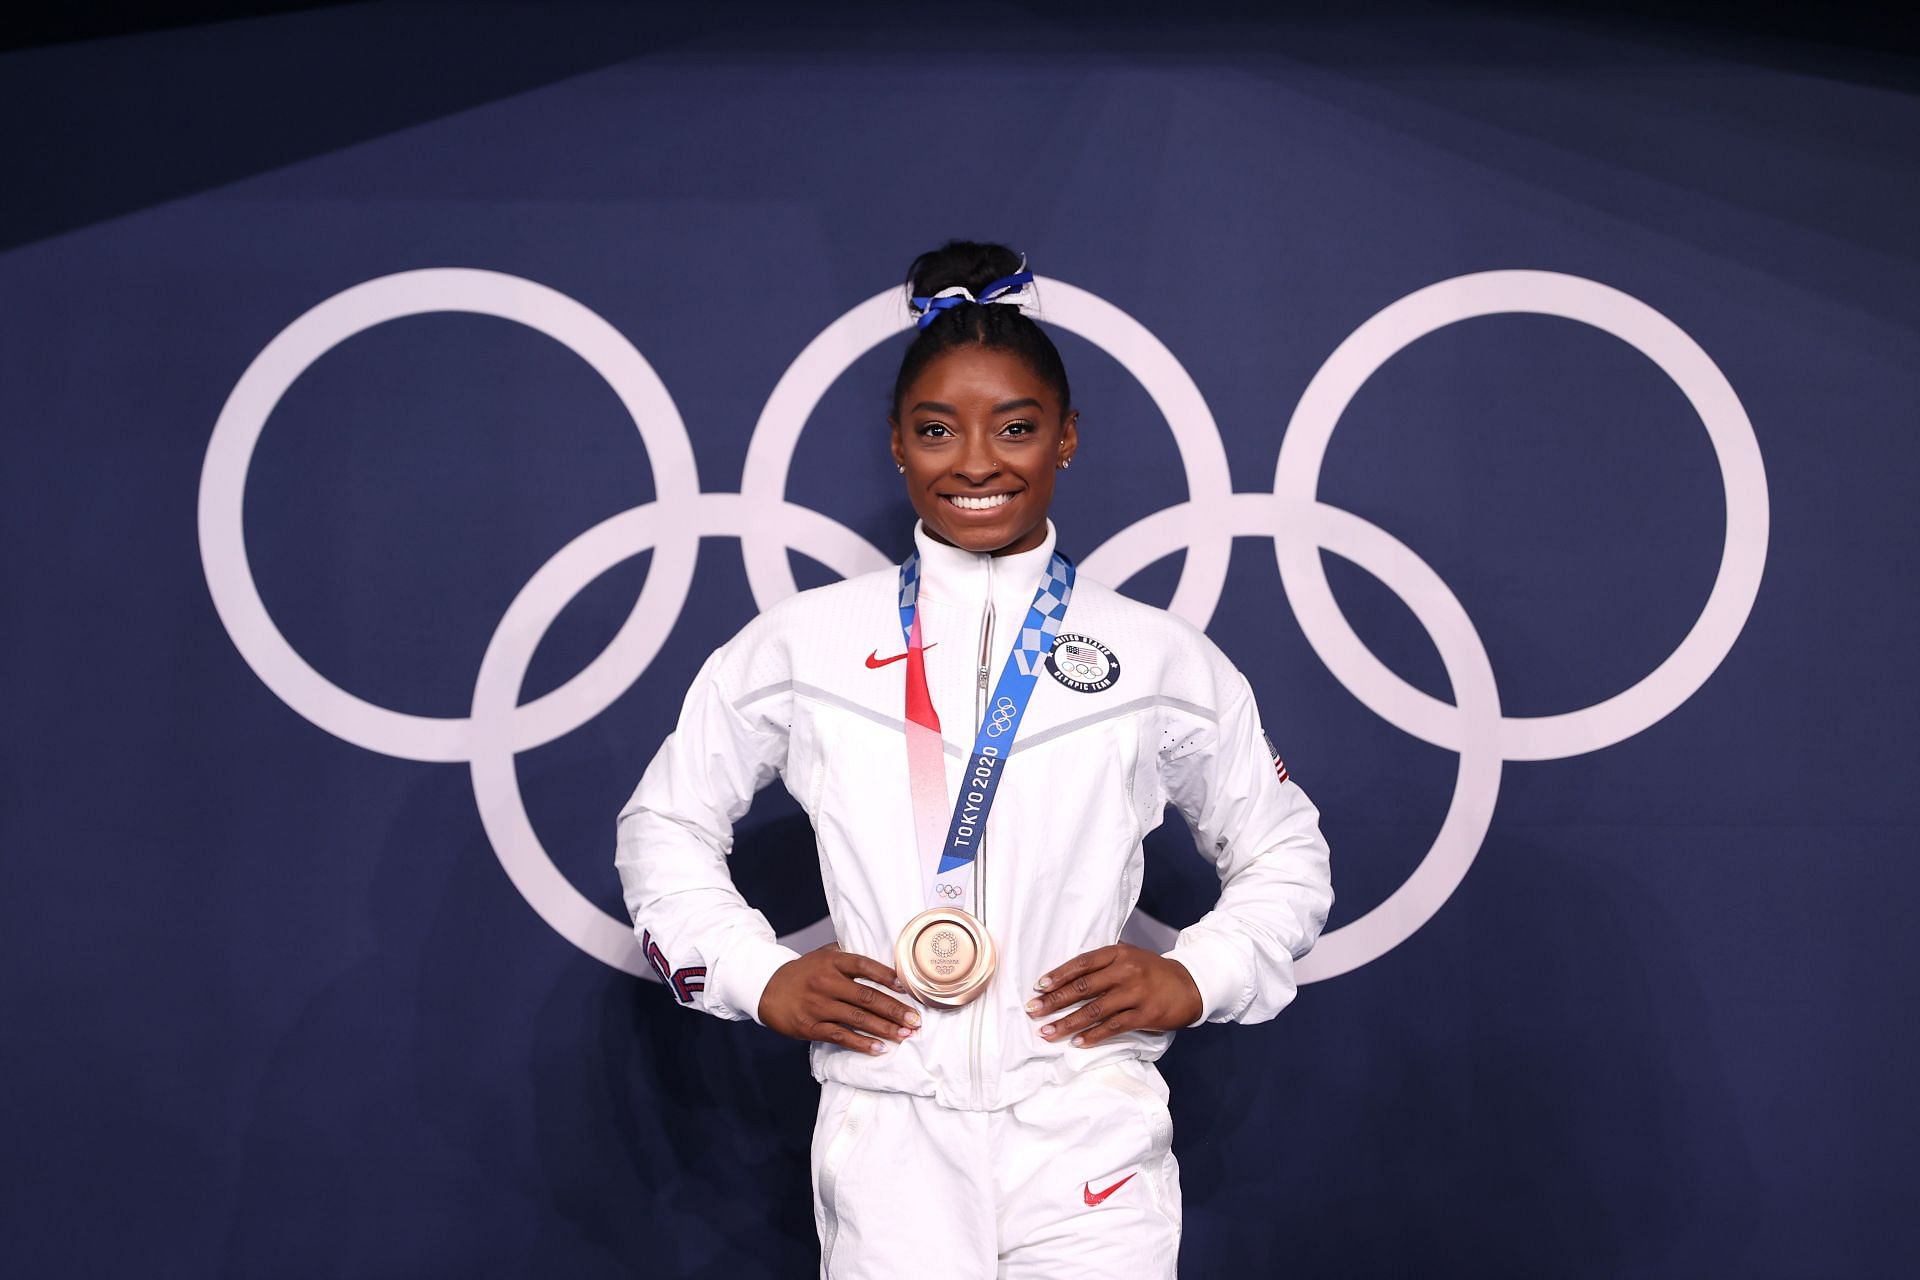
pixel 980 435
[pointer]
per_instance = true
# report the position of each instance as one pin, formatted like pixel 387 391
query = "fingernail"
pixel 1043 984
pixel 1033 1006
pixel 903 1032
pixel 1047 1032
pixel 913 1019
pixel 899 986
pixel 1079 1042
pixel 880 1046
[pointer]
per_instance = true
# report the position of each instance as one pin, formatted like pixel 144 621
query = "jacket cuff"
pixel 740 977
pixel 1216 968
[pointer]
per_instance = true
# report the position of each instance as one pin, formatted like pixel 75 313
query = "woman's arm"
pixel 714 950
pixel 1263 837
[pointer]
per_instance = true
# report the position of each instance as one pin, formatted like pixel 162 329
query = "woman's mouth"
pixel 985 502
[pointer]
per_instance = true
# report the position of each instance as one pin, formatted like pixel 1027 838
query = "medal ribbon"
pixel 952 886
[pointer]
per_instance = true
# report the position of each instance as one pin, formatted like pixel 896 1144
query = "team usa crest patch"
pixel 1083 664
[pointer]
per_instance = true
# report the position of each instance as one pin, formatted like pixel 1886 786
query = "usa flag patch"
pixel 1279 765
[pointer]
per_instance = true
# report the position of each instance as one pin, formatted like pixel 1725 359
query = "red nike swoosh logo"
pixel 1095 1197
pixel 875 661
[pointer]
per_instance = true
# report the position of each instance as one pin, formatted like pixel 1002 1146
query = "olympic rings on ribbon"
pixel 498 726
pixel 1001 717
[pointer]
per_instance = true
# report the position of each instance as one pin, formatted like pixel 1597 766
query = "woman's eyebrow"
pixel 1005 406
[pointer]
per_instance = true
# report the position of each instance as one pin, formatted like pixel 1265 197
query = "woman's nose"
pixel 977 462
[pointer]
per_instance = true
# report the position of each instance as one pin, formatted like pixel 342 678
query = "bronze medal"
pixel 945 956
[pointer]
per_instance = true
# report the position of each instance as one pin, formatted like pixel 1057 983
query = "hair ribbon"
pixel 1006 289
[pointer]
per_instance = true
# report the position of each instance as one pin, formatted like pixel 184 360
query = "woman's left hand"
pixel 1126 988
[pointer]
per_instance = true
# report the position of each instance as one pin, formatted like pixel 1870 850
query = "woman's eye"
pixel 934 428
pixel 1019 428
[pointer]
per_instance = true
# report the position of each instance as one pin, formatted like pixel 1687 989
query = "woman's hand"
pixel 816 998
pixel 1126 988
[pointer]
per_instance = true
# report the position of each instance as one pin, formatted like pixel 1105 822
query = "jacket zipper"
pixel 980 853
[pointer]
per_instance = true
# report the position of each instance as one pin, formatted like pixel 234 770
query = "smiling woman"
pixel 982 414
pixel 979 461
pixel 1008 1050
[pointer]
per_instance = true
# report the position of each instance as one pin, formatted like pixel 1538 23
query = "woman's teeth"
pixel 979 504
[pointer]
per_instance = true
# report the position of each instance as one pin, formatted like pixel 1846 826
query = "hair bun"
pixel 988 274
pixel 966 263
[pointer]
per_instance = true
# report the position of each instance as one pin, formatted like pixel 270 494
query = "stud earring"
pixel 900 468
pixel 1065 463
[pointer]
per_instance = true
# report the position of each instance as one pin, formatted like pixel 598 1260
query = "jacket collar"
pixel 956 576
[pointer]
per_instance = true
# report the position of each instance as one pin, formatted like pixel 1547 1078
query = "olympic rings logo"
pixel 947 891
pixel 498 726
pixel 1001 719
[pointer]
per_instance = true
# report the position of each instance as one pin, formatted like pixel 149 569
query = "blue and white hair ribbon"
pixel 1011 289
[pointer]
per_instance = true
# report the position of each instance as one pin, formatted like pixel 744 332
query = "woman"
pixel 989 1103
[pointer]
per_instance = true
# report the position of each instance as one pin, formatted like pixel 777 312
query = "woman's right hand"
pixel 816 998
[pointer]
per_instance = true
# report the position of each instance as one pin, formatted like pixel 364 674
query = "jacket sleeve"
pixel 675 834
pixel 1263 836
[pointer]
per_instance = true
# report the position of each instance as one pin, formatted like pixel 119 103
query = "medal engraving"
pixel 943 951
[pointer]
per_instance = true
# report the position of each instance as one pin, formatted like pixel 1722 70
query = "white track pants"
pixel 1077 1181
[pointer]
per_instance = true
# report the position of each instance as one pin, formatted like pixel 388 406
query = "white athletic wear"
pixel 1143 710
pixel 1077 1181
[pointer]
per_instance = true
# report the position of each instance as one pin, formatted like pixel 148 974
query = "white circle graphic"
pixel 223 484
pixel 499 726
pixel 1743 481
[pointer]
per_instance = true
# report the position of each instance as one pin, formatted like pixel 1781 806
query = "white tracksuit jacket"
pixel 805 691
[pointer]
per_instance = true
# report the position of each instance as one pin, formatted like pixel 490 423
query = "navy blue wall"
pixel 270 1003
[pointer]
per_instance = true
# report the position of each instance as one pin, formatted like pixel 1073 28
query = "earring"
pixel 1065 463
pixel 900 468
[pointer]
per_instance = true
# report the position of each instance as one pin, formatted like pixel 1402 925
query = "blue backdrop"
pixel 271 1002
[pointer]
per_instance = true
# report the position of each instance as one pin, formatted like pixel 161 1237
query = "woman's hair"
pixel 974 267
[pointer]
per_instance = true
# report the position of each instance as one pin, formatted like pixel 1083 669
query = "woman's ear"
pixel 1069 436
pixel 893 444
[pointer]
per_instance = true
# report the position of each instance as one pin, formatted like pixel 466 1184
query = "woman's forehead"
pixel 979 373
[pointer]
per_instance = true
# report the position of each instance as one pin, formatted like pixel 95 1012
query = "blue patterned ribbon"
pixel 1010 696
